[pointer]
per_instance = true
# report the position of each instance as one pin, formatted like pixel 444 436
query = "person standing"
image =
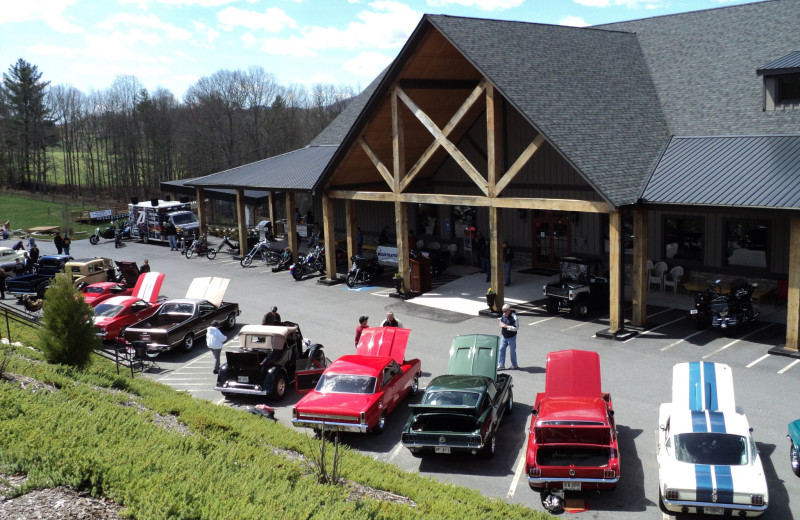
pixel 362 324
pixel 272 317
pixel 19 268
pixel 508 257
pixel 390 321
pixel 509 324
pixel 383 238
pixel 3 277
pixel 486 264
pixel 145 266
pixel 172 235
pixel 66 243
pixel 31 241
pixel 28 263
pixel 34 253
pixel 59 243
pixel 298 217
pixel 214 340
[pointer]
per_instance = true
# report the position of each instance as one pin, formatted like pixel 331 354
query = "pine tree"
pixel 68 336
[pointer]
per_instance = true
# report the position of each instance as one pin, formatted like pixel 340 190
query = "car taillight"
pixel 544 290
pixel 609 473
pixel 294 413
pixel 672 494
pixel 534 471
pixel 363 418
pixel 757 500
pixel 571 296
pixel 410 437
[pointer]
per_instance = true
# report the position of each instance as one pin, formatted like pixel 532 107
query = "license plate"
pixel 693 311
pixel 572 486
pixel 243 379
pixel 145 337
pixel 714 510
pixel 441 449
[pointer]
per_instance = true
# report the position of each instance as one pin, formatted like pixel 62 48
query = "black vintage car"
pixel 582 285
pixel 268 360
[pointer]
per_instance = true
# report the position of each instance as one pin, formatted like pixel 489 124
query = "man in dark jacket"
pixel 59 243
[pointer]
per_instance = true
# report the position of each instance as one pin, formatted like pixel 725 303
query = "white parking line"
pixel 790 365
pixel 682 340
pixel 396 451
pixel 518 472
pixel 181 385
pixel 762 358
pixel 648 331
pixel 737 340
pixel 581 324
pixel 540 321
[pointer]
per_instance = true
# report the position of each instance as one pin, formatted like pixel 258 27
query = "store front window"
pixel 683 239
pixel 746 243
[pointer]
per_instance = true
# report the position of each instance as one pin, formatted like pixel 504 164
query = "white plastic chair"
pixel 657 275
pixel 434 246
pixel 420 244
pixel 673 278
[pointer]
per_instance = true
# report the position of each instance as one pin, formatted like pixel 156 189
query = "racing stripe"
pixel 695 387
pixel 710 386
pixel 705 486
pixel 717 420
pixel 699 423
pixel 724 480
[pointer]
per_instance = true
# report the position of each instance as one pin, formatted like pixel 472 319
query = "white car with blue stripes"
pixel 707 459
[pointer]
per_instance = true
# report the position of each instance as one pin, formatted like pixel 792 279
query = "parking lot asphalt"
pixel 636 372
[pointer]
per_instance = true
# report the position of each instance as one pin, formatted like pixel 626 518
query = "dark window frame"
pixel 767 245
pixel 675 260
pixel 793 97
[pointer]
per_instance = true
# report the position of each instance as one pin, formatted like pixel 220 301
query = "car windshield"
pixel 346 384
pixel 184 218
pixel 451 398
pixel 106 310
pixel 715 449
pixel 93 290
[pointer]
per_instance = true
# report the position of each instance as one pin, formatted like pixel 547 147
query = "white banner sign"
pixel 387 255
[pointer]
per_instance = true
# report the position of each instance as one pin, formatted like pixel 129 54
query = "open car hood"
pixel 475 355
pixel 129 270
pixel 211 288
pixel 384 341
pixel 148 286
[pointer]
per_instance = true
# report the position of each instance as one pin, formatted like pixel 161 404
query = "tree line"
pixel 124 141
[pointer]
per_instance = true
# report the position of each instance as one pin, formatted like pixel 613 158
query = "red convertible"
pixel 117 312
pixel 356 392
pixel 98 292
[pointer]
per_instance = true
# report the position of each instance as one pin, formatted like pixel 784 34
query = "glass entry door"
pixel 551 238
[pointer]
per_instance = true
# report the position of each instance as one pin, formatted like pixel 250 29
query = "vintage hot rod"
pixel 461 411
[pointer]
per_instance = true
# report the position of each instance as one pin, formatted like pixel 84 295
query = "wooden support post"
pixel 616 268
pixel 351 228
pixel 793 296
pixel 271 211
pixel 329 239
pixel 240 209
pixel 639 280
pixel 494 156
pixel 291 225
pixel 201 208
pixel 401 228
pixel 496 255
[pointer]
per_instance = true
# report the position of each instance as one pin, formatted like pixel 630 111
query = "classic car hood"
pixel 339 404
pixel 384 342
pixel 703 386
pixel 573 373
pixel 129 270
pixel 211 288
pixel 148 286
pixel 474 354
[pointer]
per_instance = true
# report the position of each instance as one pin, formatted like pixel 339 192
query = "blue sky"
pixel 173 43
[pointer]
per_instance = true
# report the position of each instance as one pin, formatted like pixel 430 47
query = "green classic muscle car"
pixel 460 411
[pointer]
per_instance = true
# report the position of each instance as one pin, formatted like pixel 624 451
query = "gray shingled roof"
pixel 786 64
pixel 294 171
pixel 747 171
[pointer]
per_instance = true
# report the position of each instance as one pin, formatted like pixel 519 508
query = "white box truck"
pixel 149 218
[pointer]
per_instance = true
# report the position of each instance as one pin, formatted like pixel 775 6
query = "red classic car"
pixel 98 292
pixel 572 442
pixel 117 312
pixel 356 392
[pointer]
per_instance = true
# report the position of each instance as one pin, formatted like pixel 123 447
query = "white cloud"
pixel 149 21
pixel 144 4
pixel 367 64
pixel 573 21
pixel 485 5
pixel 273 19
pixel 206 36
pixel 48 11
pixel 248 39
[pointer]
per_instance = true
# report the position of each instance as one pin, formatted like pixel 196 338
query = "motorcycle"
pixel 199 246
pixel 233 248
pixel 284 262
pixel 701 314
pixel 268 255
pixel 734 310
pixel 110 233
pixel 313 261
pixel 363 270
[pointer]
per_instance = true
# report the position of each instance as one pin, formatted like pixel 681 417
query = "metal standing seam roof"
pixel 788 63
pixel 742 171
pixel 180 186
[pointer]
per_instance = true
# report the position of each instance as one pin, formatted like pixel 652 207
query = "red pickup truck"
pixel 572 440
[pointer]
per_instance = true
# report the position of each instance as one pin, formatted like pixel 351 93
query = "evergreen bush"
pixel 68 335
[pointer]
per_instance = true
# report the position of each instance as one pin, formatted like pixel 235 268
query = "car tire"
pixel 246 260
pixel 415 385
pixel 351 280
pixel 230 321
pixel 93 240
pixel 551 306
pixel 510 403
pixel 381 424
pixel 794 459
pixel 212 254
pixel 490 448
pixel 581 308
pixel 187 343
pixel 279 387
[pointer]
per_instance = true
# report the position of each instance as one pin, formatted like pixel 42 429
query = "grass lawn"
pixel 27 213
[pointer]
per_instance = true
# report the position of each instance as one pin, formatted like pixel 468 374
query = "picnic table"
pixel 43 229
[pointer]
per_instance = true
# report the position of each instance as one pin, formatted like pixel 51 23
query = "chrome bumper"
pixel 678 504
pixel 331 425
pixel 240 390
pixel 558 480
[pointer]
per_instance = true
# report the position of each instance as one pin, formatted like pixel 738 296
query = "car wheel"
pixel 415 385
pixel 491 447
pixel 145 238
pixel 552 306
pixel 381 424
pixel 510 404
pixel 351 280
pixel 793 458
pixel 212 254
pixel 230 321
pixel 279 387
pixel 187 343
pixel 581 309
pixel 93 240
pixel 246 260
